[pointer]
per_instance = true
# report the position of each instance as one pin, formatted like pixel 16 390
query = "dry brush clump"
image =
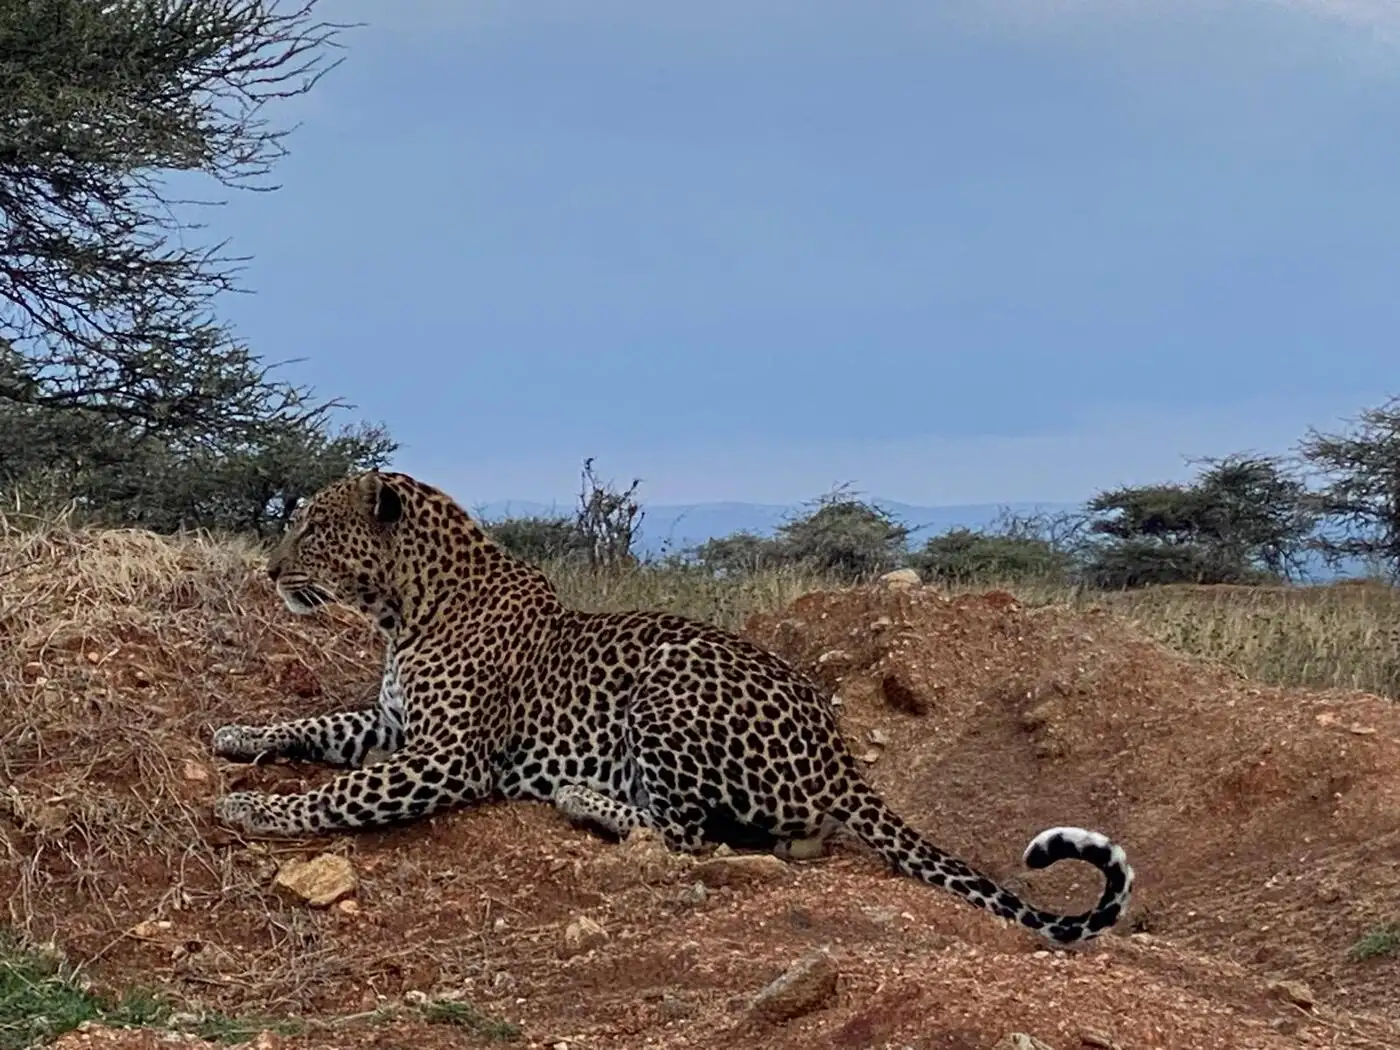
pixel 1343 636
pixel 118 650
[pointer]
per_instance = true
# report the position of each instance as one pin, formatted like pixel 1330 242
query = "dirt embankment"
pixel 1262 824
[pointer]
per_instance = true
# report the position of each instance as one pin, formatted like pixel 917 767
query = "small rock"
pixel 348 907
pixel 195 772
pixel 871 757
pixel 805 986
pixel 801 849
pixel 1330 892
pixel 641 858
pixel 1098 1040
pixel 694 894
pixel 319 882
pixel 150 928
pixel 878 737
pixel 837 656
pixel 1286 1025
pixel 1020 1041
pixel 583 935
pixel 1295 992
pixel 881 914
pixel 901 579
pixel 741 869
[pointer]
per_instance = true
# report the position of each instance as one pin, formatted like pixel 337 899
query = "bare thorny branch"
pixel 97 103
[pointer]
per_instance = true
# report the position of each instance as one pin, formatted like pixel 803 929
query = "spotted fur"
pixel 492 687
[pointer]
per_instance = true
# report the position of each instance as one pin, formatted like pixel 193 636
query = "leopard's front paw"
pixel 243 743
pixel 245 810
pixel 264 814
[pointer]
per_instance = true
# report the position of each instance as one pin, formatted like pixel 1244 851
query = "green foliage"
pixel 1378 941
pixel 967 556
pixel 462 1014
pixel 119 387
pixel 601 533
pixel 841 538
pixel 844 538
pixel 739 554
pixel 1360 494
pixel 1244 519
pixel 541 541
pixel 1257 512
pixel 41 998
pixel 233 1030
pixel 1143 562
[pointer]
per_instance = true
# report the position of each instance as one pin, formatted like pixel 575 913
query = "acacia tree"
pixel 1016 547
pixel 1244 518
pixel 113 363
pixel 1360 492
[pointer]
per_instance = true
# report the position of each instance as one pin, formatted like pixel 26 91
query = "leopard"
pixel 494 688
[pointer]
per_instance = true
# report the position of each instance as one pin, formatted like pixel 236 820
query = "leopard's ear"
pixel 384 504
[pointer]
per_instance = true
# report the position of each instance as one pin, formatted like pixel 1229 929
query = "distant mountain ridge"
pixel 673 527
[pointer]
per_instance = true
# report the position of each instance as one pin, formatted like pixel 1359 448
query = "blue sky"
pixel 956 252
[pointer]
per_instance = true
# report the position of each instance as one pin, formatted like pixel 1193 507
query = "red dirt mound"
pixel 1261 823
pixel 1265 818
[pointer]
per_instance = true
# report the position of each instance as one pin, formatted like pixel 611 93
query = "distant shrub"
pixel 738 554
pixel 845 538
pixel 1144 563
pixel 841 538
pixel 600 533
pixel 541 541
pixel 964 556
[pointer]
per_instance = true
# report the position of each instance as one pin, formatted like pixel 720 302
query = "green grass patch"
pixel 1377 941
pixel 464 1015
pixel 221 1029
pixel 41 997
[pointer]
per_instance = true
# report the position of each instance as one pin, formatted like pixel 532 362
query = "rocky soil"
pixel 1262 823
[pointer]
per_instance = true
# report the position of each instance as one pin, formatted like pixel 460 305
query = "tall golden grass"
pixel 1344 636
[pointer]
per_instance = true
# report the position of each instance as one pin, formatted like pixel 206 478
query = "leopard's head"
pixel 343 546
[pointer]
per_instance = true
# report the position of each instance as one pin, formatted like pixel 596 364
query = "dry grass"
pixel 727 602
pixel 1344 636
pixel 102 633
